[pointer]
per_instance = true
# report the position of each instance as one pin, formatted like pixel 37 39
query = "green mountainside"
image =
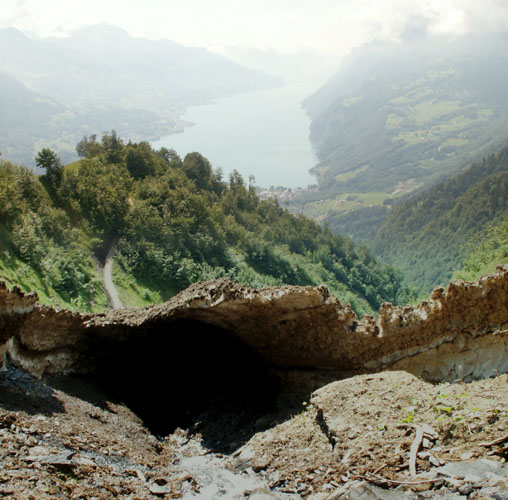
pixel 426 235
pixel 174 222
pixel 399 116
pixel 484 252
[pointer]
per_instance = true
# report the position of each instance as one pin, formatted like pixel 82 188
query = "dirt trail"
pixel 109 286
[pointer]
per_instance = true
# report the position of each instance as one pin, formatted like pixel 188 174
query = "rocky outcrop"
pixel 460 332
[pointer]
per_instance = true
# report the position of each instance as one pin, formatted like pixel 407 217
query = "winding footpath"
pixel 109 286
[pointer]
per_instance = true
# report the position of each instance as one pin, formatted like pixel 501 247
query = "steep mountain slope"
pixel 176 222
pixel 425 235
pixel 397 117
pixel 406 112
pixel 485 251
pixel 109 79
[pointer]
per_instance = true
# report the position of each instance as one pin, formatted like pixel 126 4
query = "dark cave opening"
pixel 191 375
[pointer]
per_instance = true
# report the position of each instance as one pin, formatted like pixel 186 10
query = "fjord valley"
pixel 402 133
pixel 54 90
pixel 410 139
pixel 396 130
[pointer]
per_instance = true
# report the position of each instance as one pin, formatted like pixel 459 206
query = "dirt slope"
pixel 65 439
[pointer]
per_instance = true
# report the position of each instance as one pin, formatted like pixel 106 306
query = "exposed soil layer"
pixel 460 332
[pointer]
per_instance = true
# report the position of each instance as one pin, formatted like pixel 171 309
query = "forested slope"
pixel 176 221
pixel 485 251
pixel 425 235
pixel 399 116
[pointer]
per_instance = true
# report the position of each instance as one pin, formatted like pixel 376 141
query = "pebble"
pixel 155 489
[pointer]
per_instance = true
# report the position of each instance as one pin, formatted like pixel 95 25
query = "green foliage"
pixel 39 247
pixel 140 160
pixel 484 251
pixel 360 224
pixel 396 118
pixel 48 160
pixel 102 192
pixel 425 235
pixel 176 222
pixel 113 147
pixel 89 147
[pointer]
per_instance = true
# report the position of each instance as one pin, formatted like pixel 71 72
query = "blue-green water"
pixel 263 133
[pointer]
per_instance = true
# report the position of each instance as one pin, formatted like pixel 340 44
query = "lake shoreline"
pixel 263 133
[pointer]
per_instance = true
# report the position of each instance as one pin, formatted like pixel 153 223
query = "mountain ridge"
pixel 138 87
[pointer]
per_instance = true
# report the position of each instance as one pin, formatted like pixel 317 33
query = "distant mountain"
pixel 301 66
pixel 31 121
pixel 403 114
pixel 426 235
pixel 22 111
pixel 109 79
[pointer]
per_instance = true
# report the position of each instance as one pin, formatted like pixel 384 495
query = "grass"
pixel 351 174
pixel 351 101
pixel 133 293
pixel 425 111
pixel 320 171
pixel 345 202
pixel 498 258
pixel 394 121
pixel 16 272
pixel 455 142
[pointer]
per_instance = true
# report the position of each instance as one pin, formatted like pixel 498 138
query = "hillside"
pixel 23 112
pixel 426 235
pixel 484 251
pixel 175 222
pixel 397 116
pixel 101 78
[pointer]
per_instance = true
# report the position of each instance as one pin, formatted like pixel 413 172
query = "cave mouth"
pixel 191 375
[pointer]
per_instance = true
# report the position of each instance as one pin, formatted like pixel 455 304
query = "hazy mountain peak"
pixel 14 36
pixel 101 31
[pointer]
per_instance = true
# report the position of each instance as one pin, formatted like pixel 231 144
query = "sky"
pixel 329 27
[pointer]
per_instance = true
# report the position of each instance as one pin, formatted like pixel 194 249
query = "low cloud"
pixel 327 26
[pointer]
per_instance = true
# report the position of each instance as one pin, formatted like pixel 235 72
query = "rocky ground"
pixel 382 436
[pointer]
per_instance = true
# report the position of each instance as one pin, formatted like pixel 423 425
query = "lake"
pixel 263 133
